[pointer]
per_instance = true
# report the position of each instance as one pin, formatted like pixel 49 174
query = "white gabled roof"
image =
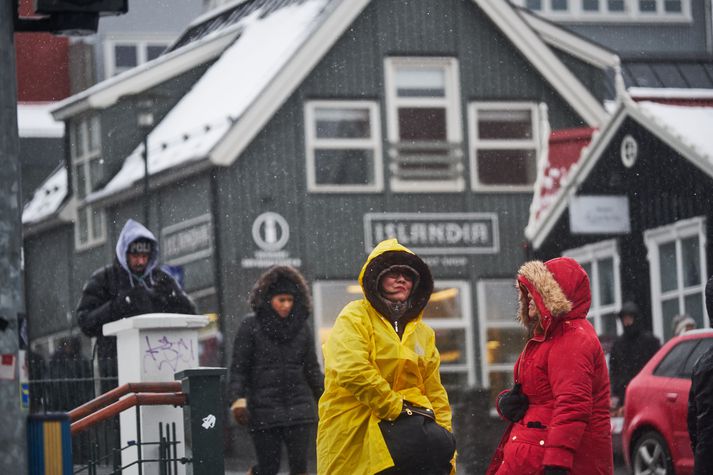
pixel 47 198
pixel 686 129
pixel 146 75
pixel 241 91
pixel 222 95
pixel 571 43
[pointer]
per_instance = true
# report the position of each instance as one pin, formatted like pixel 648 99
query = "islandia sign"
pixel 435 233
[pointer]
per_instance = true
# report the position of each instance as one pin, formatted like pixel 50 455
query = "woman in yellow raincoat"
pixel 378 358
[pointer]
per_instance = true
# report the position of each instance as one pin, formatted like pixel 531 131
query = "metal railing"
pixel 426 160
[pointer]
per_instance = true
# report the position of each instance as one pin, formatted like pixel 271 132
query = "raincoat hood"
pixel 390 253
pixel 559 287
pixel 132 231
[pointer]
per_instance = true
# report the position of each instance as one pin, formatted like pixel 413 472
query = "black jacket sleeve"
pixel 241 365
pixel 312 371
pixel 617 387
pixel 701 397
pixel 94 308
pixel 691 420
pixel 170 297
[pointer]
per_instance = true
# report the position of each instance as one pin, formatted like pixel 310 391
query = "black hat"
pixel 629 308
pixel 282 285
pixel 140 246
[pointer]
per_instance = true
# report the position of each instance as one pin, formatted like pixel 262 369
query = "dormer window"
pixel 611 10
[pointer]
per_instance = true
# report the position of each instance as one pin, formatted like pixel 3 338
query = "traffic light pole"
pixel 13 455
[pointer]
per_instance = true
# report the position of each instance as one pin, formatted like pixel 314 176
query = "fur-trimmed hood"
pixel 560 288
pixel 390 253
pixel 259 294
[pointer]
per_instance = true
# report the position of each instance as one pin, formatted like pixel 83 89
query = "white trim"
pixel 591 254
pixel 450 102
pixel 373 143
pixel 287 80
pixel 141 43
pixel 631 14
pixel 537 232
pixel 486 367
pixel 572 44
pixel 653 239
pixel 545 61
pixel 475 143
pixel 144 77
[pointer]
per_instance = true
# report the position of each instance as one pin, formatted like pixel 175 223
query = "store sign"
pixel 599 215
pixel 187 241
pixel 271 233
pixel 435 233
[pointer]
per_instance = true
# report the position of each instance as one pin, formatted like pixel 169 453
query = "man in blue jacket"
pixel 133 285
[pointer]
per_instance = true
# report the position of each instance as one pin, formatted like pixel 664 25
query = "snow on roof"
pixel 35 120
pixel 670 93
pixel 565 148
pixel 692 126
pixel 203 116
pixel 47 198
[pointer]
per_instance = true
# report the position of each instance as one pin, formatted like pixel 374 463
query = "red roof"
pixel 565 148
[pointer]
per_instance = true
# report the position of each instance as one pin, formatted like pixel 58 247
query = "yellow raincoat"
pixel 369 372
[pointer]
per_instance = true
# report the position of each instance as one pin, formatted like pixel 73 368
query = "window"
pixel 678 272
pixel 704 345
pixel 447 312
pixel 502 337
pixel 424 124
pixel 601 261
pixel 671 365
pixel 123 53
pixel 343 143
pixel 612 10
pixel 505 145
pixel 87 172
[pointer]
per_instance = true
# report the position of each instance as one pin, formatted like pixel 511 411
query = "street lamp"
pixel 145 121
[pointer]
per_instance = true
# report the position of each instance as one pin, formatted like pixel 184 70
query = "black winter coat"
pixel 628 355
pixel 281 380
pixel 700 414
pixel 109 296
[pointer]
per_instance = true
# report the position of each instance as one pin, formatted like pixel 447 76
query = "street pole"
pixel 13 452
pixel 146 180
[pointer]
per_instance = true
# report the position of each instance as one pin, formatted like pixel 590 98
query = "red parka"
pixel 564 375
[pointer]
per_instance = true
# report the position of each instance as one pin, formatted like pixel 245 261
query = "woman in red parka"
pixel 559 405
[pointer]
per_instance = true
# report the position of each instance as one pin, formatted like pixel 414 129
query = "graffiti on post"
pixel 168 352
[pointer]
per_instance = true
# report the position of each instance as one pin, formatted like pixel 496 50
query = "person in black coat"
pixel 133 285
pixel 275 378
pixel 700 403
pixel 630 352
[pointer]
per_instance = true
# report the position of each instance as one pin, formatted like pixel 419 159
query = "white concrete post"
pixel 152 348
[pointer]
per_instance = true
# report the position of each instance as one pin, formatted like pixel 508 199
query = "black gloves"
pixel 513 404
pixel 549 470
pixel 132 302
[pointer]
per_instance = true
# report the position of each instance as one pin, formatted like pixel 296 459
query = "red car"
pixel 655 436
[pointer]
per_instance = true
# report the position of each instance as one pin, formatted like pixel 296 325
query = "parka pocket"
pixel 524 452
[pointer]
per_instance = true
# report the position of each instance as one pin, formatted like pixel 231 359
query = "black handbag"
pixel 417 444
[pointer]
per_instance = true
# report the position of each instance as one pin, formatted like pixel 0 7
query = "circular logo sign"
pixel 271 231
pixel 629 151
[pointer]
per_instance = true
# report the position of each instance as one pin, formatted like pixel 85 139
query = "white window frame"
pixel 538 114
pixel 88 125
pixel 631 12
pixel 451 103
pixel 654 238
pixel 486 367
pixel 374 143
pixel 591 254
pixel 140 42
pixel 465 322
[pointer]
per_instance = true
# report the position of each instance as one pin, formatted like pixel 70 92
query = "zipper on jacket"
pixel 396 326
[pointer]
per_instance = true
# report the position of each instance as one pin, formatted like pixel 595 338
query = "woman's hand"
pixel 240 412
